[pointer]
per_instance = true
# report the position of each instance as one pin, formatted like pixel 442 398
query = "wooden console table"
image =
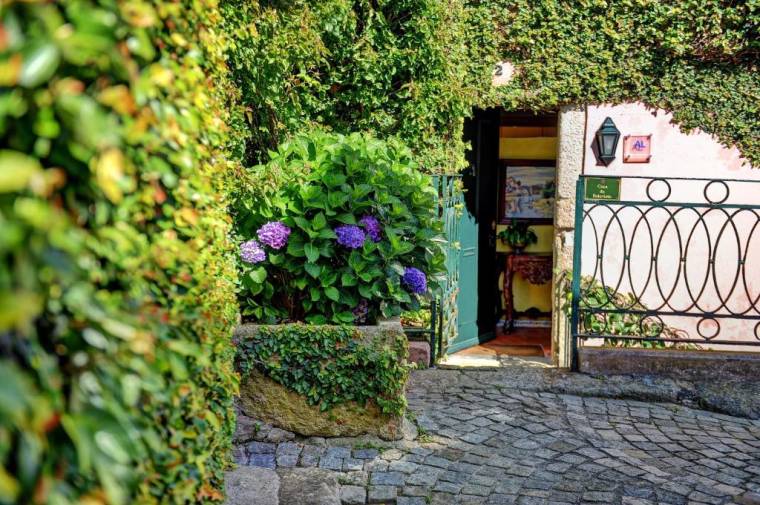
pixel 535 268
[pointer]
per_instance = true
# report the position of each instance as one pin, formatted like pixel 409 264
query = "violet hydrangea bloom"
pixel 274 234
pixel 251 252
pixel 414 280
pixel 372 225
pixel 350 235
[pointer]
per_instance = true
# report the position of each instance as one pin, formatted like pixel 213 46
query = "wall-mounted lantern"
pixel 607 137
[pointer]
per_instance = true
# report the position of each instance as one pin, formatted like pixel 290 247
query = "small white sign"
pixel 503 73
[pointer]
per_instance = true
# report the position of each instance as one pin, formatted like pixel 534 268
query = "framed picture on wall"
pixel 527 190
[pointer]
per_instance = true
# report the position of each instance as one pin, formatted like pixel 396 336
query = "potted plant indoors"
pixel 518 235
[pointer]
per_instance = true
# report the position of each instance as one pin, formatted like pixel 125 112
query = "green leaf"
pixel 319 221
pixel 332 293
pixel 327 233
pixel 346 218
pixel 39 65
pixel 258 275
pixel 348 279
pixel 16 170
pixel 313 269
pixel 312 252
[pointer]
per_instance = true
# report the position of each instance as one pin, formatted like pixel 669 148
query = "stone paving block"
pixel 338 452
pixel 310 455
pixel 366 453
pixel 381 494
pixel 351 464
pixel 423 477
pixel 402 466
pixel 501 499
pixel 262 460
pixel 308 485
pixel 376 465
pixel 330 462
pixel 476 489
pixel 359 478
pixel 353 495
pixel 247 485
pixel 286 460
pixel 410 500
pixel 260 448
pixel 387 479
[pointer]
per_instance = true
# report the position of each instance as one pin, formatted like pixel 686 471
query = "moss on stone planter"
pixel 324 380
pixel 264 399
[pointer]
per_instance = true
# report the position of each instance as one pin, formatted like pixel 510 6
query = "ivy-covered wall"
pixel 416 68
pixel 695 58
pixel 116 282
pixel 390 67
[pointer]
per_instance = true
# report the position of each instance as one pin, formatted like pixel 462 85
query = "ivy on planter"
pixel 330 365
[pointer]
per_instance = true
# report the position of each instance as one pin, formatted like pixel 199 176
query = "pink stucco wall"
pixel 710 278
pixel 674 153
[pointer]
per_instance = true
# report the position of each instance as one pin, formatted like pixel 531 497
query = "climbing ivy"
pixel 416 68
pixel 695 58
pixel 330 365
pixel 393 68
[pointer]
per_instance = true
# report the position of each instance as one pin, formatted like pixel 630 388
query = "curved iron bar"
pixel 753 304
pixel 724 302
pixel 667 195
pixel 681 258
pixel 708 301
pixel 695 300
pixel 616 289
pixel 652 262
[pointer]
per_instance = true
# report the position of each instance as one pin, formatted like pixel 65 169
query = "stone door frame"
pixel 571 134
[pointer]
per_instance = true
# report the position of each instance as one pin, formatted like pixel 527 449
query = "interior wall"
pixel 521 142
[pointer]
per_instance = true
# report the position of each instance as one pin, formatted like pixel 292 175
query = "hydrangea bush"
pixel 345 230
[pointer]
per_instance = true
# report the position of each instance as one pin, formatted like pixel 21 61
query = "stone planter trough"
pixel 268 401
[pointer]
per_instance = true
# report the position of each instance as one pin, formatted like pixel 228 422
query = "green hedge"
pixel 330 365
pixel 392 68
pixel 116 276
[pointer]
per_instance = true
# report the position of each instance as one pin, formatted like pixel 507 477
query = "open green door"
pixel 475 267
pixel 467 298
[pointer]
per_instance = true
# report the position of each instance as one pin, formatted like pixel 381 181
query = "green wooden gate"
pixel 450 209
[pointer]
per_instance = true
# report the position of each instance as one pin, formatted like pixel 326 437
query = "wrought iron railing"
pixel 667 260
pixel 429 330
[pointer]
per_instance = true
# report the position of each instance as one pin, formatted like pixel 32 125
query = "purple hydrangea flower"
pixel 251 252
pixel 360 311
pixel 274 234
pixel 372 225
pixel 350 235
pixel 414 280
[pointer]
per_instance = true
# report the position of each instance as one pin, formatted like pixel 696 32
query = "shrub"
pixel 116 286
pixel 330 365
pixel 391 68
pixel 360 225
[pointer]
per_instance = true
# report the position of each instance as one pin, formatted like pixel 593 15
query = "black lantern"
pixel 607 137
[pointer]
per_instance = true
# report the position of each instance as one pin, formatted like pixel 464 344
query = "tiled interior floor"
pixel 520 342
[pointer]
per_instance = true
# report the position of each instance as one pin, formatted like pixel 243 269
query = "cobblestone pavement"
pixel 482 443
